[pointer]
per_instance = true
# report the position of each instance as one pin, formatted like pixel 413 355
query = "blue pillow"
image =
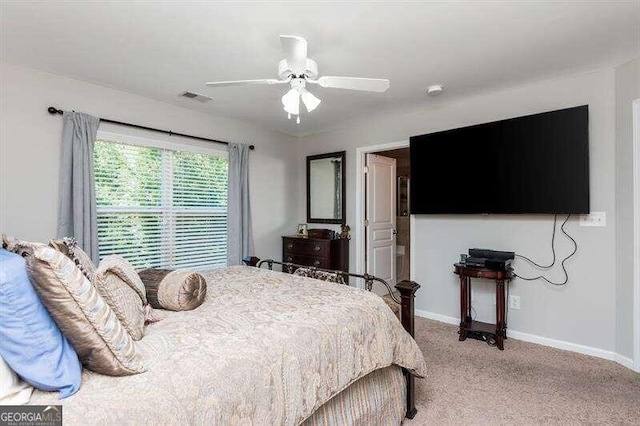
pixel 30 341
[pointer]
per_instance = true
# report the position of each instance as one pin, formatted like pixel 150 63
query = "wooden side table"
pixel 491 333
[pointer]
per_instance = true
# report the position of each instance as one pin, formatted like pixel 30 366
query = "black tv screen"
pixel 534 164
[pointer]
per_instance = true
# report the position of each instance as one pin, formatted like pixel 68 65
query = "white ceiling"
pixel 161 49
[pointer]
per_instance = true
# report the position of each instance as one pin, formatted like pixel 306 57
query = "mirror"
pixel 326 188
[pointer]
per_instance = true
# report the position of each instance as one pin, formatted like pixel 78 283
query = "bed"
pixel 264 348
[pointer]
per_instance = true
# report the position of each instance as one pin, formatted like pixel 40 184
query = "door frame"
pixel 359 231
pixel 636 232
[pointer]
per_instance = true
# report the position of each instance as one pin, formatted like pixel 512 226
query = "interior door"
pixel 381 218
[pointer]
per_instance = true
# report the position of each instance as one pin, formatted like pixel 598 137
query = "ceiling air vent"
pixel 195 96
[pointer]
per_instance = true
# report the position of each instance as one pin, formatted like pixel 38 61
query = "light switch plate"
pixel 594 219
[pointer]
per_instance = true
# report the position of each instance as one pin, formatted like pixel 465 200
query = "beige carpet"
pixel 472 383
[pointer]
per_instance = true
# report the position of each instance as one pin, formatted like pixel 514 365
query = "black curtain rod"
pixel 53 110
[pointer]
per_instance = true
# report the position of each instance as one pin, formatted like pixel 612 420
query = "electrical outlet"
pixel 514 302
pixel 594 219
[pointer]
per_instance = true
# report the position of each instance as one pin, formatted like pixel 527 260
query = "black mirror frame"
pixel 343 219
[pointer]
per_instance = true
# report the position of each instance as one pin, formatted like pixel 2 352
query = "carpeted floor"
pixel 472 383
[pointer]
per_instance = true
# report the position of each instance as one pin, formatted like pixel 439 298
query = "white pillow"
pixel 13 391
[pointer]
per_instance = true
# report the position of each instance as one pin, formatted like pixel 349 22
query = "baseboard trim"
pixel 561 344
pixel 437 317
pixel 624 361
pixel 545 341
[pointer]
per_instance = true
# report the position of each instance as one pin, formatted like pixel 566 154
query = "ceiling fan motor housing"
pixel 298 83
pixel 310 69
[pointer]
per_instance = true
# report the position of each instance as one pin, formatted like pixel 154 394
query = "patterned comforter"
pixel 264 348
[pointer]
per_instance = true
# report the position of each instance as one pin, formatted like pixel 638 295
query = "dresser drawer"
pixel 316 248
pixel 318 252
pixel 318 262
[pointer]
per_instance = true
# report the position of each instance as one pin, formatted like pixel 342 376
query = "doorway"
pixel 383 237
pixel 399 201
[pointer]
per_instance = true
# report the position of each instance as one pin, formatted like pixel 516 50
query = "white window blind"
pixel 159 207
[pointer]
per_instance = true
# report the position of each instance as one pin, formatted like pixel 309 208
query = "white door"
pixel 381 216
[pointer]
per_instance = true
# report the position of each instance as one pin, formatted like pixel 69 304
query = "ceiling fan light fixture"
pixel 296 69
pixel 310 101
pixel 291 102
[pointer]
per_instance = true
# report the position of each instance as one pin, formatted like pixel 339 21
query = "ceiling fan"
pixel 296 69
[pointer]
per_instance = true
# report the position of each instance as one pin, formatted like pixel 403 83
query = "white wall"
pixel 582 312
pixel 30 150
pixel 627 90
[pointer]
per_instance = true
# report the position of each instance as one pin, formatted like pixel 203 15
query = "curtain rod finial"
pixel 53 110
pixel 251 147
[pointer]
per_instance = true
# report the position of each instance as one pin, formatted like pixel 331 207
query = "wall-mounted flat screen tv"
pixel 537 164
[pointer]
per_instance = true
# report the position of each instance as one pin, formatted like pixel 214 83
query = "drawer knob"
pixel 289 259
pixel 316 248
pixel 289 246
pixel 316 262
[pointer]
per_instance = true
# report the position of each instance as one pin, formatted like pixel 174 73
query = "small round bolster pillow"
pixel 174 290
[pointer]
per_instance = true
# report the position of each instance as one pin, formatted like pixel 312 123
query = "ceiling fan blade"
pixel 295 52
pixel 354 83
pixel 245 82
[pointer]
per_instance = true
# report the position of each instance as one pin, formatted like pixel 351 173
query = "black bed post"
pixel 251 260
pixel 407 291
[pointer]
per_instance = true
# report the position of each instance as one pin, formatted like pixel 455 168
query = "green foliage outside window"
pixel 161 208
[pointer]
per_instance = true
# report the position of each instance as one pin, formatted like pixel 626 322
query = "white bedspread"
pixel 264 348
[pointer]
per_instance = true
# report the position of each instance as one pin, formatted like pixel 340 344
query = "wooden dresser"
pixel 318 252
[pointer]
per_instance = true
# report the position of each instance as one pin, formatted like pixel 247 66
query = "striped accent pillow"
pixel 69 247
pixel 101 342
pixel 121 287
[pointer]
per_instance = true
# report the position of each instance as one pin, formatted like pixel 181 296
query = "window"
pixel 161 207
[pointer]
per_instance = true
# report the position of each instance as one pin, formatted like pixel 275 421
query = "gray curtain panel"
pixel 239 232
pixel 77 208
